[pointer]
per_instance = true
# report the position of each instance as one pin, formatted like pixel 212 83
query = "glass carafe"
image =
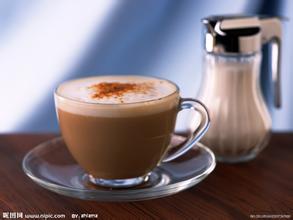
pixel 240 121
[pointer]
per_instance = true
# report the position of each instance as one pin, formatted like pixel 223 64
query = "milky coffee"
pixel 117 127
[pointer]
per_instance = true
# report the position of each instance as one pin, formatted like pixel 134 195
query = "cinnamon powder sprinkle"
pixel 117 89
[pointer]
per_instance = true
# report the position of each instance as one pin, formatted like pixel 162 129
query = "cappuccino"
pixel 117 127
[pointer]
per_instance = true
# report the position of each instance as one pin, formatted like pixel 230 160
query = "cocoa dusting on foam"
pixel 118 90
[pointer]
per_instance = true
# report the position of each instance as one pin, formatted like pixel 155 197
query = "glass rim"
pixel 177 90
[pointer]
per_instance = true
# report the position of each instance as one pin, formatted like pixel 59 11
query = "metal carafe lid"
pixel 239 34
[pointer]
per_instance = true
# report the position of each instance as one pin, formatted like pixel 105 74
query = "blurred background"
pixel 43 43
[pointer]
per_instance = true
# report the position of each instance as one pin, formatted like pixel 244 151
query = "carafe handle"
pixel 271 33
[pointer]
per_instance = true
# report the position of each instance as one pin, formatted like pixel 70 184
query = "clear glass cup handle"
pixel 193 104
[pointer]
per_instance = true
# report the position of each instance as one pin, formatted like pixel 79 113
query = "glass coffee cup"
pixel 119 128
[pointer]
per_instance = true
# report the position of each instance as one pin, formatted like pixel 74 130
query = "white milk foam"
pixel 76 96
pixel 80 90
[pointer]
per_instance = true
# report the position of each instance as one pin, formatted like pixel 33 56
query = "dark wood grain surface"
pixel 263 186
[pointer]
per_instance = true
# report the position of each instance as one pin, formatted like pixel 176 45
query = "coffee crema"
pixel 132 95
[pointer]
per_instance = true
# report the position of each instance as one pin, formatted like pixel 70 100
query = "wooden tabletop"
pixel 263 186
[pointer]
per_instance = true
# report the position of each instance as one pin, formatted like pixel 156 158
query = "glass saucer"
pixel 50 165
